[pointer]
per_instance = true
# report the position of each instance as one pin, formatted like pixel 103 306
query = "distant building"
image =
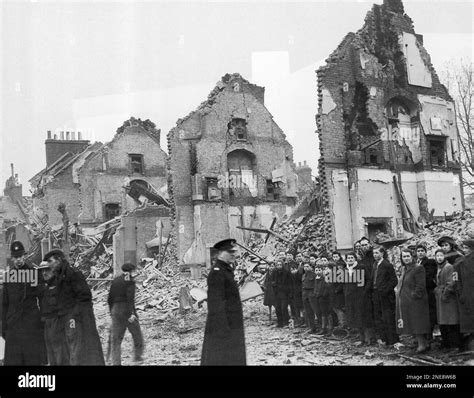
pixel 100 181
pixel 306 182
pixel 230 165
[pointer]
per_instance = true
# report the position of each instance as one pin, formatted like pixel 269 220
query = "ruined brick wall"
pixel 199 147
pixel 367 71
pixel 104 175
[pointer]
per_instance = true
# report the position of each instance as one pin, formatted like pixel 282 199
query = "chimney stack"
pixel 61 136
pixel 304 162
pixel 79 135
pixel 73 135
pixel 67 135
pixel 49 134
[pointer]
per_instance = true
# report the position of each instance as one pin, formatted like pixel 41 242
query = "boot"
pixel 330 326
pixel 324 326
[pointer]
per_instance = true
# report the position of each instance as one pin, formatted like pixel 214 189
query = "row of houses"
pixel 228 165
pixel 389 152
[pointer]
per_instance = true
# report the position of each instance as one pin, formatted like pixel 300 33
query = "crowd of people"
pixel 363 294
pixel 50 320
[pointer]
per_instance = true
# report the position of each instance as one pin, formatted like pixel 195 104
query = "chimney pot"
pixel 67 136
pixel 73 135
pixel 62 135
pixel 49 134
pixel 305 162
pixel 79 135
pixel 55 136
pixel 13 169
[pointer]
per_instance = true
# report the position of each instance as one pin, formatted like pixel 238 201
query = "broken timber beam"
pixel 251 252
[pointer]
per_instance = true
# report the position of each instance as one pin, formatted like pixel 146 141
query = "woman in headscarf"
pixel 269 294
pixel 412 311
pixel 451 250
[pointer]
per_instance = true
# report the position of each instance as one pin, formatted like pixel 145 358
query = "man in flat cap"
pixel 224 339
pixel 121 302
pixel 21 322
pixel 74 314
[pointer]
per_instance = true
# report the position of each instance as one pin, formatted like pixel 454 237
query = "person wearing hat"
pixel 121 301
pixel 21 320
pixel 73 313
pixel 224 338
pixel 451 250
pixel 430 271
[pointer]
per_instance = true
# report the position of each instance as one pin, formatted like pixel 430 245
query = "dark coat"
pixel 430 271
pixel 464 269
pixel 358 300
pixel 446 299
pixel 282 283
pixel 386 279
pixel 297 287
pixel 224 339
pixel 412 302
pixel 22 328
pixel 122 290
pixel 74 301
pixel 452 256
pixel 269 294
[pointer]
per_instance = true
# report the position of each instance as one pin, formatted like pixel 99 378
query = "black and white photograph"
pixel 262 185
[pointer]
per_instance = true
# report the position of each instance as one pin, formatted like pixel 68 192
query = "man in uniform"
pixel 224 339
pixel 21 320
pixel 121 302
pixel 75 314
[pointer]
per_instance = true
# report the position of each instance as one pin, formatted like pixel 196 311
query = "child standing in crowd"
pixel 282 286
pixel 309 300
pixel 338 293
pixel 446 302
pixel 322 292
pixel 269 294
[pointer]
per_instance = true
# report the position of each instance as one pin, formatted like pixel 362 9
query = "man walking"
pixel 224 339
pixel 121 302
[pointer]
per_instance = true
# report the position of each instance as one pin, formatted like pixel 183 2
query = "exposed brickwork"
pixel 365 72
pixel 199 147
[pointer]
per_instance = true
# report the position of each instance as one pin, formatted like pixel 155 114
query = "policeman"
pixel 121 302
pixel 21 321
pixel 224 339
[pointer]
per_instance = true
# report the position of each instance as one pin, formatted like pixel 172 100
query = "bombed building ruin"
pixel 387 131
pixel 101 181
pixel 230 166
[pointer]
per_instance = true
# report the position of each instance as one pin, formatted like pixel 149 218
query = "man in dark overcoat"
pixel 431 270
pixel 224 338
pixel 22 328
pixel 383 296
pixel 74 312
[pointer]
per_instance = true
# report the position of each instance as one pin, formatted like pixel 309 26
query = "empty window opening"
pixel 136 163
pixel 437 147
pixel 112 210
pixel 212 190
pixel 238 128
pixel 273 190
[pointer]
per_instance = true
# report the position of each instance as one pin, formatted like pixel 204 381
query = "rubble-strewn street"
pixel 177 340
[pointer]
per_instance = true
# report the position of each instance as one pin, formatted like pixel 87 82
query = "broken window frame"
pixel 430 139
pixel 239 127
pixel 139 162
pixel 212 183
pixel 110 214
pixel 273 190
pixel 374 221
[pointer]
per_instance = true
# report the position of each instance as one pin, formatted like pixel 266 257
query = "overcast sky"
pixel 90 65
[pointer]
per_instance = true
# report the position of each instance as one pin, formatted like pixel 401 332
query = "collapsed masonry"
pixel 230 165
pixel 388 137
